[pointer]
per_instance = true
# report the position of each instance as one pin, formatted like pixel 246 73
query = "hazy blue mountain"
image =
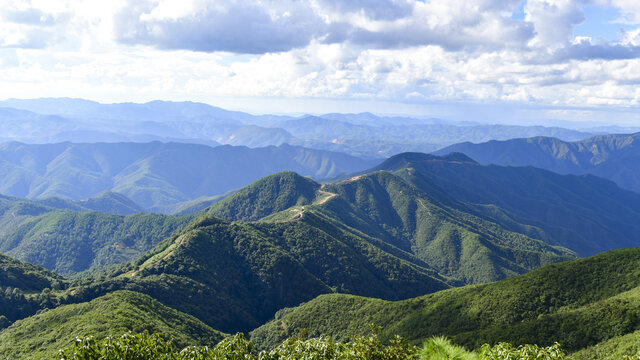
pixel 154 175
pixel 586 214
pixel 151 111
pixel 615 157
pixel 364 135
pixel 257 136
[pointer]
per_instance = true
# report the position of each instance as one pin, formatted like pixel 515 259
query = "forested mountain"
pixel 42 335
pixel 583 213
pixel 154 174
pixel 332 258
pixel 71 242
pixel 394 213
pixel 21 289
pixel 234 276
pixel 578 304
pixel 614 157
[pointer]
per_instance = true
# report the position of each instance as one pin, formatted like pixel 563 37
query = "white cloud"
pixel 393 50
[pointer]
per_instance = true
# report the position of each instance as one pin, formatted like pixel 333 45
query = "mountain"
pixel 42 335
pixel 21 289
pixel 578 304
pixel 257 136
pixel 106 201
pixel 267 196
pixel 386 208
pixel 365 135
pixel 151 111
pixel 154 175
pixel 235 276
pixel 71 242
pixel 614 157
pixel 583 213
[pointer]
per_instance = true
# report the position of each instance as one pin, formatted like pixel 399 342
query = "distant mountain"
pixel 154 174
pixel 257 136
pixel 614 157
pixel 151 111
pixel 370 136
pixel 364 135
pixel 106 201
pixel 583 213
pixel 42 335
pixel 578 304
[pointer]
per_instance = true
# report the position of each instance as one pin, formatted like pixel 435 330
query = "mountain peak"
pixel 408 158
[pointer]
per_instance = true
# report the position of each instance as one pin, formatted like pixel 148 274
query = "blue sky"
pixel 504 61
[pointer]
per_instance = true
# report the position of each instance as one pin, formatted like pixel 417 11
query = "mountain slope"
pixel 40 336
pixel 269 195
pixel 577 303
pixel 583 213
pixel 21 289
pixel 71 242
pixel 387 210
pixel 234 276
pixel 613 157
pixel 154 174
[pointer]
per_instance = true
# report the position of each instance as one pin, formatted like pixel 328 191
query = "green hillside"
pixel 400 218
pixel 235 276
pixel 22 289
pixel 271 194
pixel 578 304
pixel 583 213
pixel 614 157
pixel 42 335
pixel 70 242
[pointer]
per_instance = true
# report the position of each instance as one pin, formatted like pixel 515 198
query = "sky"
pixel 501 61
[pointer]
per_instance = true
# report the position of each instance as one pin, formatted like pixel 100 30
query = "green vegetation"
pixel 71 242
pixel 583 213
pixel 266 196
pixel 235 276
pixel 25 289
pixel 578 304
pixel 145 346
pixel 41 335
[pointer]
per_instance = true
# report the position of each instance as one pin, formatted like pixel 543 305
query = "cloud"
pixel 375 10
pixel 584 49
pixel 249 27
pixel 257 27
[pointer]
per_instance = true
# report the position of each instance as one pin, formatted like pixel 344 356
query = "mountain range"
pixel 613 157
pixel 366 135
pixel 154 175
pixel 420 244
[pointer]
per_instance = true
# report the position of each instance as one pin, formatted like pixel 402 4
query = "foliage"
pixel 235 276
pixel 71 242
pixel 506 351
pixel 271 194
pixel 145 346
pixel 25 289
pixel 578 303
pixel 441 348
pixel 41 335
